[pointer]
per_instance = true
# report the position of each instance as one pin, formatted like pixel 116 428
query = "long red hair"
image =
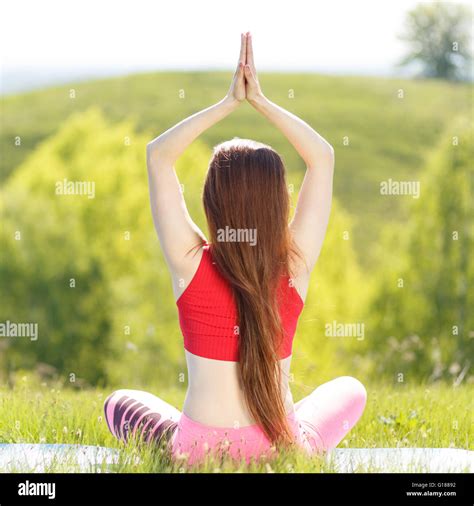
pixel 245 190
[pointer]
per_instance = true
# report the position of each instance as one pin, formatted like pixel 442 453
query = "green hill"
pixel 377 134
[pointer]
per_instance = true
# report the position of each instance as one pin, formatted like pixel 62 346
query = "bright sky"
pixel 99 35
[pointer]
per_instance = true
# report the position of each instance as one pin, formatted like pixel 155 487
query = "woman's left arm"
pixel 177 233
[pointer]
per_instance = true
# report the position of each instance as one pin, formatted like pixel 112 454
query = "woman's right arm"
pixel 311 217
pixel 177 232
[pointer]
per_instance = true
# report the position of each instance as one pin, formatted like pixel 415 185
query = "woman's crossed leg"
pixel 140 414
pixel 329 413
pixel 325 416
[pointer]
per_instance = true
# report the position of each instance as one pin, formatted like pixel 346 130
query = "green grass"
pixel 396 416
pixel 389 137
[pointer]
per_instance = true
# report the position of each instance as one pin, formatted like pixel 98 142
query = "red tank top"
pixel 208 314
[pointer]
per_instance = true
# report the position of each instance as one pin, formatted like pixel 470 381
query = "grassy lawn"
pixel 401 416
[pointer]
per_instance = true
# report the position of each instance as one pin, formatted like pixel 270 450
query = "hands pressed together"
pixel 245 83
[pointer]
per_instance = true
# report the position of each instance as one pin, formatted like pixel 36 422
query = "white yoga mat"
pixel 38 458
pixel 401 460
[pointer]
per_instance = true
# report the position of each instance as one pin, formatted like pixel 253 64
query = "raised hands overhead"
pixel 252 86
pixel 245 83
pixel 177 232
pixel 237 87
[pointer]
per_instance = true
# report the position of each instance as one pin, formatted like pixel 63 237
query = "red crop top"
pixel 208 314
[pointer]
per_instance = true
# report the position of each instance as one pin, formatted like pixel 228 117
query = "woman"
pixel 240 295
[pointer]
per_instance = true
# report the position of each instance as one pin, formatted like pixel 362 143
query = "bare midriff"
pixel 214 396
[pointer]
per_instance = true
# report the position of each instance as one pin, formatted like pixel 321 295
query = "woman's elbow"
pixel 157 155
pixel 327 158
pixel 330 158
pixel 152 154
pixel 330 152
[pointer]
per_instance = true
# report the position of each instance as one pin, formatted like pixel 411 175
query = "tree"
pixel 86 268
pixel 439 36
pixel 422 322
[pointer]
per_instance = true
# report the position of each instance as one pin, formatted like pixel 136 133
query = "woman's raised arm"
pixel 314 202
pixel 177 233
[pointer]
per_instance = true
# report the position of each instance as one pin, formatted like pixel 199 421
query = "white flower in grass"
pixel 225 443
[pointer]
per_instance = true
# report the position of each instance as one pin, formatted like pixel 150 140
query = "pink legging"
pixel 319 422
